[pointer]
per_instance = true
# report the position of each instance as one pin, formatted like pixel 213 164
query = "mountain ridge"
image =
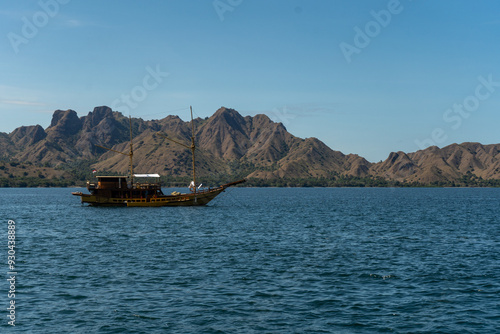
pixel 228 143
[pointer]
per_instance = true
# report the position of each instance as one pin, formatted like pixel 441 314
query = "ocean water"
pixel 257 260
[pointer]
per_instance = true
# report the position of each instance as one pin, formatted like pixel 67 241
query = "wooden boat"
pixel 115 191
pixel 123 191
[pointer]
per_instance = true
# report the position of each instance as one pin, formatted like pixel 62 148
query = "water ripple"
pixel 260 260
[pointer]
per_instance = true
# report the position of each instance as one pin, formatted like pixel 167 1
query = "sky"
pixel 365 77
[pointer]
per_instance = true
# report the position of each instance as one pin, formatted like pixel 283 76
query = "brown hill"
pixel 229 143
pixel 447 164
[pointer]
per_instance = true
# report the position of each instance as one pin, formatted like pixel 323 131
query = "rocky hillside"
pixel 442 165
pixel 228 144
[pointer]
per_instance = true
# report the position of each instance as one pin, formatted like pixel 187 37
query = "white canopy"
pixel 146 175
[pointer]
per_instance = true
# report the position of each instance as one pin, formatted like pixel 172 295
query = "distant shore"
pixel 257 183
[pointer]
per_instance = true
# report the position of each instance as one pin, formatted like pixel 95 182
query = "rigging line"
pixel 197 116
pixel 228 192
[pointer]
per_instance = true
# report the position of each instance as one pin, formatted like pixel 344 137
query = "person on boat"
pixel 192 186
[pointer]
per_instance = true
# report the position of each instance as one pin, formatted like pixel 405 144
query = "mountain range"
pixel 228 145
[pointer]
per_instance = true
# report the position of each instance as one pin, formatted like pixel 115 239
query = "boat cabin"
pixel 120 187
pixel 109 182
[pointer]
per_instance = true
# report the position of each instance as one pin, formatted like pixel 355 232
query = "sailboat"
pixel 125 191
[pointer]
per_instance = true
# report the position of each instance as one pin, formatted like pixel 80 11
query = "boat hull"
pixel 177 200
pixel 189 199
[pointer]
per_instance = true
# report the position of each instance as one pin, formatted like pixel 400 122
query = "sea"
pixel 255 260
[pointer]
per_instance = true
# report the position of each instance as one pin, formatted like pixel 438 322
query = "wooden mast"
pixel 131 154
pixel 192 147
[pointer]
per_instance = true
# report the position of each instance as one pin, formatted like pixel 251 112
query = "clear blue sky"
pixel 391 87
